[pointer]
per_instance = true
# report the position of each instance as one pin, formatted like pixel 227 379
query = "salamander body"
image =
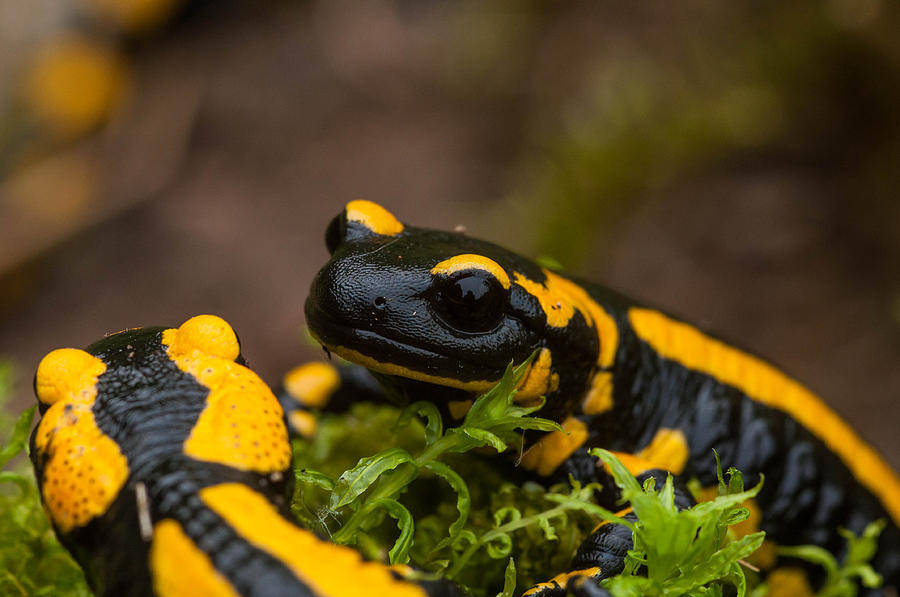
pixel 165 466
pixel 440 315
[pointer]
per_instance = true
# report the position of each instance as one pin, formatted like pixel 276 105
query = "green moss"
pixel 32 562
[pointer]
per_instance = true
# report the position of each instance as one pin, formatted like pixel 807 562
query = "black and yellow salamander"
pixel 439 315
pixel 164 465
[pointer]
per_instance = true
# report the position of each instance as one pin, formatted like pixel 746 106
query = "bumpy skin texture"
pixel 202 506
pixel 394 298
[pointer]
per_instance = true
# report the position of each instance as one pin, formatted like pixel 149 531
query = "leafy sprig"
pixel 684 552
pixel 376 482
pixel 842 579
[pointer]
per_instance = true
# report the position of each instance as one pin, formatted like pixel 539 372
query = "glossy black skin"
pixel 808 491
pixel 149 406
pixel 377 296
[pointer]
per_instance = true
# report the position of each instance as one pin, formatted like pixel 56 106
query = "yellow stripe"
pixel 668 450
pixel 539 380
pixel 621 514
pixel 560 580
pixel 552 450
pixel 180 569
pixel 599 398
pixel 765 384
pixel 560 298
pixel 471 261
pixel 372 364
pixel 327 568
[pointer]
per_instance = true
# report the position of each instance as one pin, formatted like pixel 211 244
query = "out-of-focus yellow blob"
pixel 75 85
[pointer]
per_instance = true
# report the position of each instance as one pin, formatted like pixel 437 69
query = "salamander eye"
pixel 471 302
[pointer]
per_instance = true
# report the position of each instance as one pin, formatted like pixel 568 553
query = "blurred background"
pixel 737 164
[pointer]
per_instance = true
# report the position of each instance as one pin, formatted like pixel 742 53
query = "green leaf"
pixel 355 481
pixel 494 403
pixel 19 439
pixel 718 564
pixel 624 479
pixel 24 483
pixel 399 553
pixel 841 579
pixel 484 437
pixel 738 579
pixel 314 478
pixel 463 499
pixel 812 553
pixel 547 528
pixel 499 546
pixel 509 580
pixel 434 426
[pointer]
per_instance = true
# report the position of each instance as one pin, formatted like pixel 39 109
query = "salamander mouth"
pixel 391 356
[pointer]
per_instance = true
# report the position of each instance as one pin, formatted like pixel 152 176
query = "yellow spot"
pixel 599 397
pixel 135 16
pixel 788 582
pixel 477 386
pixel 75 85
pixel 207 334
pixel 65 373
pixel 303 423
pixel 539 380
pixel 312 384
pixel 84 469
pixel 634 464
pixel 554 448
pixel 374 217
pixel 667 450
pixel 560 298
pixel 469 261
pixel 178 567
pixel 459 408
pixel 326 568
pixel 241 424
pixel 560 580
pixel 766 384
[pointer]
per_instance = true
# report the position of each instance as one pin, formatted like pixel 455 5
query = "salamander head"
pixel 435 306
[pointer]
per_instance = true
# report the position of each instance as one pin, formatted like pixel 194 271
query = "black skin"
pixel 377 296
pixel 148 407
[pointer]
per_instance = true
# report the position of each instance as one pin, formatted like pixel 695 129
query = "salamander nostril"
pixel 380 302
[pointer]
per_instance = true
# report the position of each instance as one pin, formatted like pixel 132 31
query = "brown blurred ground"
pixel 690 157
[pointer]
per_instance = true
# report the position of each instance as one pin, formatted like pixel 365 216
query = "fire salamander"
pixel 164 465
pixel 439 315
